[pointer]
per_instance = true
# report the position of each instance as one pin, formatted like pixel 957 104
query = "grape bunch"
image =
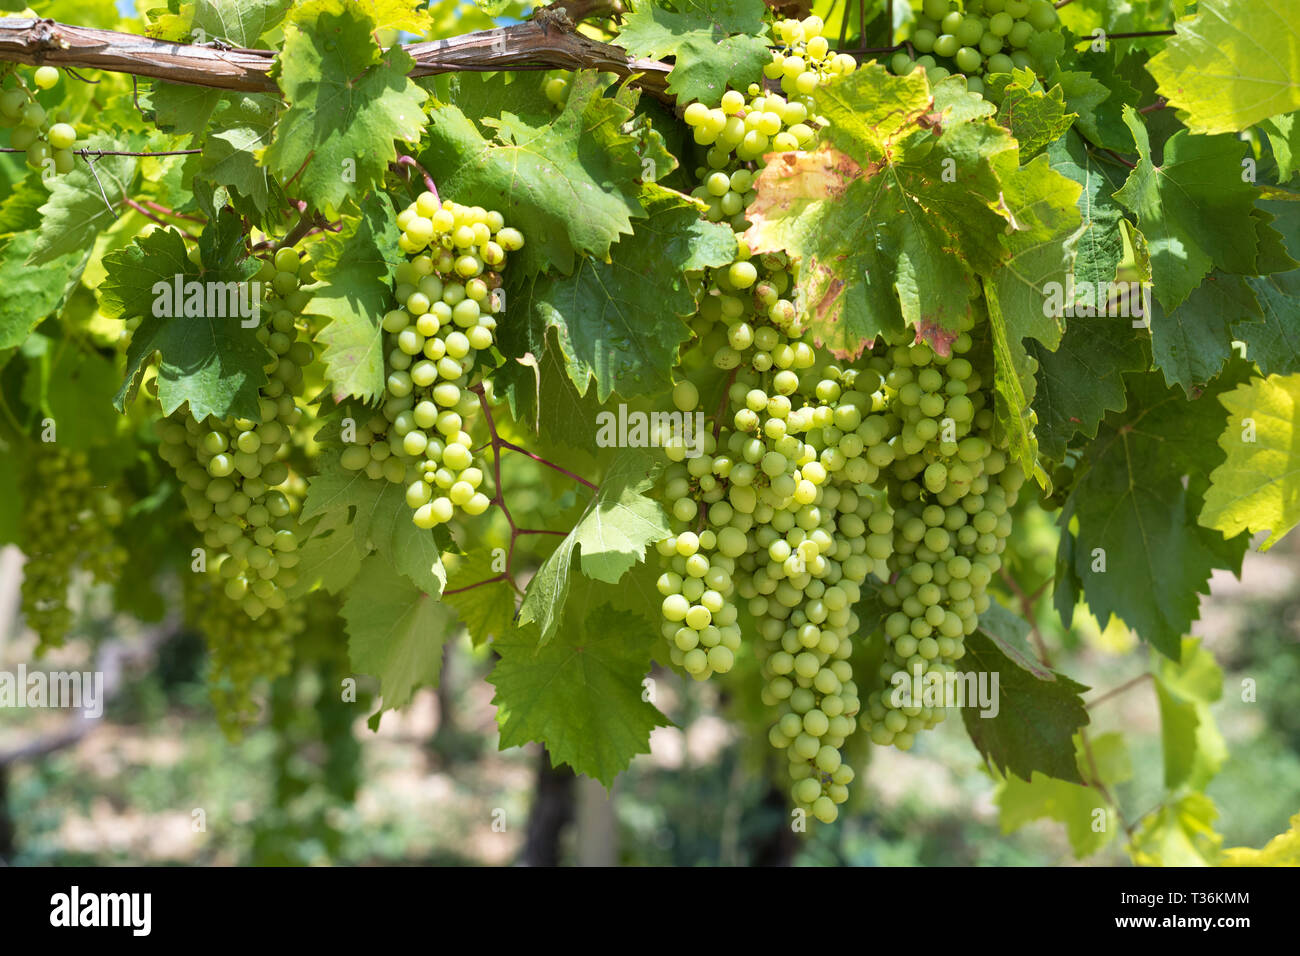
pixel 45 138
pixel 988 37
pixel 241 651
pixel 949 491
pixel 66 523
pixel 448 303
pixel 237 484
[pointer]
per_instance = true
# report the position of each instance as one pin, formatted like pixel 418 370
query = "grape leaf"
pixel 544 398
pixel 1022 801
pixel 568 184
pixel 1282 850
pixel 396 632
pixel 210 361
pixel 381 521
pixel 1284 136
pixel 885 241
pixel 620 323
pixel 330 557
pixel 1036 118
pixel 1040 251
pixel 76 211
pixel 239 22
pixel 410 16
pixel 1190 345
pixel 1178 834
pixel 354 290
pixel 1035 716
pixel 714 43
pixel 1231 65
pixel 1099 248
pixel 348 100
pixel 183 109
pixel 1132 504
pixel 75 388
pixel 1083 379
pixel 1273 342
pixel 486 610
pixel 611 537
pixel 579 694
pixel 1257 487
pixel 238 129
pixel 1193 747
pixel 1194 209
pixel 27 295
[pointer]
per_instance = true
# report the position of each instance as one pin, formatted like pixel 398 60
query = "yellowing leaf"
pixel 1233 64
pixel 1258 487
pixel 1282 850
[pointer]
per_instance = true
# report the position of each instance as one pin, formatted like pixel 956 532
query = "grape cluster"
pixel 237 484
pixel 744 128
pixel 988 37
pixel 448 306
pixel 241 651
pixel 949 490
pixel 66 523
pixel 45 138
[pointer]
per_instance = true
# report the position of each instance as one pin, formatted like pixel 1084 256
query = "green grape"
pixel 46 77
pixel 66 523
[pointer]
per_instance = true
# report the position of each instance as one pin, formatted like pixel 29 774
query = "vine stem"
pixel 1097 783
pixel 498 444
pixel 1027 609
pixel 96 153
pixel 1115 691
pixel 544 43
pixel 158 219
pixel 405 160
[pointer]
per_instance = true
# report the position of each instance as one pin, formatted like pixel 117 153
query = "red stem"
pixel 428 180
pixel 162 222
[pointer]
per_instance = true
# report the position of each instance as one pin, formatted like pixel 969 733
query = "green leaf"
pixel 1132 504
pixel 348 100
pixel 714 43
pixel 486 610
pixel 1036 118
pixel 1273 343
pixel 579 694
pixel 330 557
pixel 885 239
pixel 1190 345
pixel 1080 808
pixel 210 361
pixel 183 109
pixel 1083 379
pixel 1030 725
pixel 1282 850
pixel 239 129
pixel 543 398
pixel 381 521
pixel 395 632
pixel 239 22
pixel 354 290
pixel 27 295
pixel 568 184
pixel 1193 747
pixel 620 323
pixel 1284 136
pixel 1231 65
pixel 1178 834
pixel 1194 209
pixel 611 537
pixel 76 211
pixel 1257 488
pixel 1046 223
pixel 75 388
